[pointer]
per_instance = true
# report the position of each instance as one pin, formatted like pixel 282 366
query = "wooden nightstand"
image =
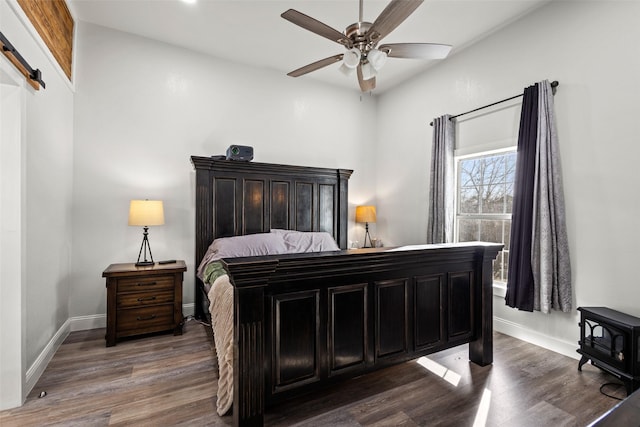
pixel 141 300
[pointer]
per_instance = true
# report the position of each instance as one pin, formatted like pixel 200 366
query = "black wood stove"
pixel 611 340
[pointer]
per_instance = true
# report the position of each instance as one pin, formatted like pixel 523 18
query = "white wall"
pixel 44 168
pixel 141 108
pixel 144 107
pixel 592 49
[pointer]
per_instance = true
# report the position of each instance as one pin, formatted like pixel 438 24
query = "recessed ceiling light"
pixel 190 1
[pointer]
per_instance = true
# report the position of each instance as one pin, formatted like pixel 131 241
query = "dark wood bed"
pixel 304 321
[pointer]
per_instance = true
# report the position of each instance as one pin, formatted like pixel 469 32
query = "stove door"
pixel 605 343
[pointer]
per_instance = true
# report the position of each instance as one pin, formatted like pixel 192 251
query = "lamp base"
pixel 367 236
pixel 144 248
pixel 144 263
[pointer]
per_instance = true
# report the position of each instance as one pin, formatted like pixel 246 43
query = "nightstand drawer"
pixel 148 283
pixel 145 319
pixel 145 298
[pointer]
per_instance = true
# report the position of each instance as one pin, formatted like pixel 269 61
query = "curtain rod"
pixel 35 75
pixel 554 84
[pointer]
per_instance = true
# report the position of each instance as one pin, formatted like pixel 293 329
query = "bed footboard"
pixel 305 321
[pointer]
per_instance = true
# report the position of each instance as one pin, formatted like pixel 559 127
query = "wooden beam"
pixel 54 23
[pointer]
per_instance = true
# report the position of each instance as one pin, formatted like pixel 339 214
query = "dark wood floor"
pixel 170 380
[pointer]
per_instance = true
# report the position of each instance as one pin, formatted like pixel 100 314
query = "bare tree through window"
pixel 484 202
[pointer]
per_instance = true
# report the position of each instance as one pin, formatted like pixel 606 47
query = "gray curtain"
pixel 539 266
pixel 550 249
pixel 441 188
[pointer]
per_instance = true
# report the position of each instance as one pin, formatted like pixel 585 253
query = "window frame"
pixel 499 286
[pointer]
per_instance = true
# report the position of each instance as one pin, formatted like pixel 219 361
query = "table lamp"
pixel 366 214
pixel 145 213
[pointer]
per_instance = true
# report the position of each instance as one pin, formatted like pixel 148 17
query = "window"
pixel 484 198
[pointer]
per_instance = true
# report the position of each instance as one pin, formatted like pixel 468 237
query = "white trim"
pixel 77 323
pixel 40 364
pixel 96 321
pixel 84 323
pixel 457 160
pixel 545 341
pixel 188 309
pixel 462 154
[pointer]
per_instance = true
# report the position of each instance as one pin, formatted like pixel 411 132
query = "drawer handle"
pixel 146 299
pixel 147 284
pixel 153 316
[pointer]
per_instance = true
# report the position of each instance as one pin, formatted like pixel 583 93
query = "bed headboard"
pixel 234 198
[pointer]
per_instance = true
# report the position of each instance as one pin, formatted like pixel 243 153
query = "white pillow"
pixel 241 246
pixel 307 241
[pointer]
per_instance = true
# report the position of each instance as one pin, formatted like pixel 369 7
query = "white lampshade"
pixel 351 58
pixel 347 71
pixel 146 212
pixel 377 58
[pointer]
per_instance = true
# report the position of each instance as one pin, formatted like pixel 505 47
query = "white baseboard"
pixel 37 368
pixel 83 323
pixel 518 331
pixel 77 323
pixel 188 309
pixel 95 321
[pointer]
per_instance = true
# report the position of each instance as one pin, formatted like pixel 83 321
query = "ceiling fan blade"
pixel 365 85
pixel 392 16
pixel 416 50
pixel 315 26
pixel 315 65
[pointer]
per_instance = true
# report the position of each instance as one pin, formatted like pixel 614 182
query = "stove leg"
pixel 583 360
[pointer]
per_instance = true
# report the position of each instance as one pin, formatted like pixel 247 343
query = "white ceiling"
pixel 252 32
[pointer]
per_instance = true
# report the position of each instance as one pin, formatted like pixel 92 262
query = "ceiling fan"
pixel 361 42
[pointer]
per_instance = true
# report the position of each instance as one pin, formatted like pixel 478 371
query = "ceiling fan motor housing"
pixel 357 33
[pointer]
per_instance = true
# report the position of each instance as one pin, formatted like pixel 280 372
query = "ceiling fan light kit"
pixel 361 40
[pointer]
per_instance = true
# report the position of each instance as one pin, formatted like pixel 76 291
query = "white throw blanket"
pixel 221 309
pixel 221 292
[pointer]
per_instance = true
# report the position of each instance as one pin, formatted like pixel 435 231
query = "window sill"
pixel 499 289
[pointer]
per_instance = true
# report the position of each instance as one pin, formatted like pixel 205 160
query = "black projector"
pixel 240 152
